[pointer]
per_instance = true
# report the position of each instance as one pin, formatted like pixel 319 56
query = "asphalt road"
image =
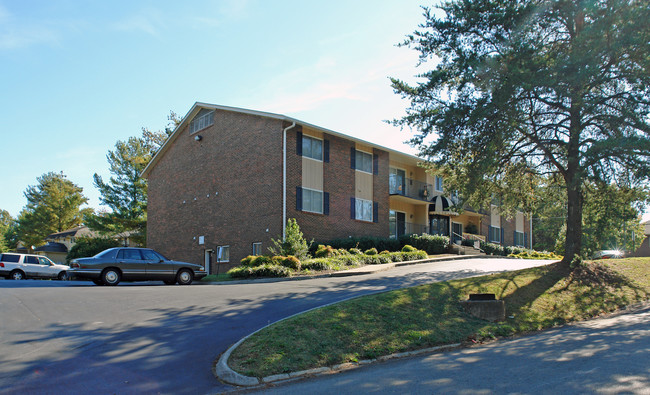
pixel 602 356
pixel 78 338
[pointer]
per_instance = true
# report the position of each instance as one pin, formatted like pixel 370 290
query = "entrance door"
pixel 439 225
pixel 397 223
pixel 457 230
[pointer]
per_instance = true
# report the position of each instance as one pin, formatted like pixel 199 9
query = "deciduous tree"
pixel 519 88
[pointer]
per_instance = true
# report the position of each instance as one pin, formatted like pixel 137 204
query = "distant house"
pixel 59 244
pixel 644 248
pixel 228 179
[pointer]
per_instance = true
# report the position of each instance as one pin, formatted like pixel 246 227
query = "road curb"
pixel 224 373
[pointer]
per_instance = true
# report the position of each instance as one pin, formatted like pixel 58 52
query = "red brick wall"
pixel 339 182
pixel 226 187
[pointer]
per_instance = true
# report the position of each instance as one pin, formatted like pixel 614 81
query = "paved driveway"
pixel 74 337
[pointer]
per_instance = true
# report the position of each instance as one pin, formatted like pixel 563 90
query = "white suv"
pixel 21 266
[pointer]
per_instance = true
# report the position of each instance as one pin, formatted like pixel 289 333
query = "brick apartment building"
pixel 228 179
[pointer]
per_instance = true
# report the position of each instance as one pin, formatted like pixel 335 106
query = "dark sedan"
pixel 111 266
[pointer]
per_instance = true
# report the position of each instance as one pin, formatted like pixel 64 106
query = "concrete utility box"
pixel 485 306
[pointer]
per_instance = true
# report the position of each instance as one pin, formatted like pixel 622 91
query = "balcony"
pixel 414 189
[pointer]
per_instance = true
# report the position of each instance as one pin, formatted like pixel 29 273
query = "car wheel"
pixel 98 282
pixel 63 276
pixel 169 282
pixel 185 277
pixel 111 276
pixel 17 275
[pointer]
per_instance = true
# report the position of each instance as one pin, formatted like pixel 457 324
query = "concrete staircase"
pixel 464 250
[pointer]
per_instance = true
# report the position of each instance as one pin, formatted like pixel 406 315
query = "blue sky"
pixel 77 76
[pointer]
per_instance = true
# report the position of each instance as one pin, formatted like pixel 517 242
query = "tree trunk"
pixel 573 244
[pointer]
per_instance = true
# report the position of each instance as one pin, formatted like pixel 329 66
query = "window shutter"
pixel 353 158
pixel 299 143
pixel 502 234
pixel 326 151
pixel 525 239
pixel 375 212
pixel 326 203
pixel 514 238
pixel 299 198
pixel 352 207
pixel 375 164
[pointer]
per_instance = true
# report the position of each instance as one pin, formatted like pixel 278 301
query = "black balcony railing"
pixel 408 187
pixel 401 228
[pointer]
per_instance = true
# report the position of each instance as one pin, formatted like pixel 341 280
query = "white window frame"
pixel 439 180
pixel 312 139
pixel 310 192
pixel 356 161
pixel 360 210
pixel 202 122
pixel 497 230
pixel 257 244
pixel 221 260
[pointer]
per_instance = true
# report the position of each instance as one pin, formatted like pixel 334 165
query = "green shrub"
pixel 365 243
pixel 292 263
pixel 241 272
pixel 271 271
pixel 262 260
pixel 384 258
pixel 355 251
pixel 293 244
pixel 324 251
pixel 408 248
pixel 414 255
pixel 248 261
pixel 371 251
pixel 432 244
pixel 316 264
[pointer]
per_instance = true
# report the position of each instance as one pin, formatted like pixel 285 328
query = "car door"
pixel 31 266
pixel 46 268
pixel 130 262
pixel 158 268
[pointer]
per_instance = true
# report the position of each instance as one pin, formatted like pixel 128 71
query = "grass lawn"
pixel 430 315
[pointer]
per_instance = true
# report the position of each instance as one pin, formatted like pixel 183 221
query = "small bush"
pixel 432 244
pixel 262 260
pixel 324 251
pixel 271 271
pixel 408 248
pixel 291 262
pixel 355 251
pixel 371 251
pixel 241 272
pixel 248 261
pixel 316 264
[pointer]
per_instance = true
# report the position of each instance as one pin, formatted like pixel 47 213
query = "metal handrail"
pixel 409 187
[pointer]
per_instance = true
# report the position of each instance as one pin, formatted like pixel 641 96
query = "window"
pixel 312 148
pixel 439 186
pixel 520 239
pixel 494 234
pixel 31 259
pixel 223 253
pixel 202 120
pixel 257 248
pixel 10 258
pixel 363 161
pixel 150 255
pixel 129 254
pixel 312 200
pixel 44 261
pixel 363 210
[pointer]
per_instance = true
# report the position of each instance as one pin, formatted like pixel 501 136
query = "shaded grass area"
pixel 430 315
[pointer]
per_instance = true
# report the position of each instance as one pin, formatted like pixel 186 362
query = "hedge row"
pixel 432 244
pixel 278 266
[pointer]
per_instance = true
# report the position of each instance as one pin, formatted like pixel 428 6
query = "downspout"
pixel 284 179
pixel 530 238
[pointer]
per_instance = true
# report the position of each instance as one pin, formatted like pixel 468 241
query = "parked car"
pixel 18 266
pixel 608 254
pixel 111 266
